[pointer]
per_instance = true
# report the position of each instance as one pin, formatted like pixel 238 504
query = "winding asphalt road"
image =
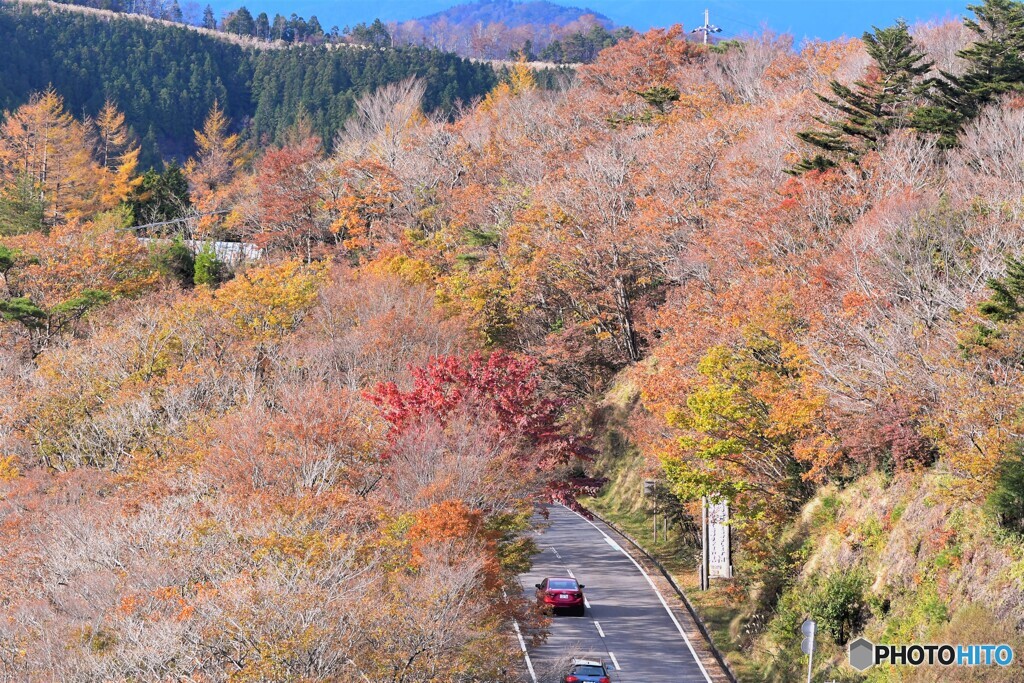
pixel 628 623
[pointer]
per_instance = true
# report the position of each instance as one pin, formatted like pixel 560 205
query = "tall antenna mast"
pixel 707 28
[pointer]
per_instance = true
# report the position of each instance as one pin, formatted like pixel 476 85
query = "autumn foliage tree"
pixel 220 155
pixel 117 154
pixel 56 279
pixel 501 389
pixel 287 209
pixel 43 146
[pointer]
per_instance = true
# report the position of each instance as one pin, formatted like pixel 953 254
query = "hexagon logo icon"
pixel 862 654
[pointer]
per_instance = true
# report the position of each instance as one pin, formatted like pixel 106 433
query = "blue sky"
pixel 825 19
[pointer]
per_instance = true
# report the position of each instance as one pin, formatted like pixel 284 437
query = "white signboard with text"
pixel 719 548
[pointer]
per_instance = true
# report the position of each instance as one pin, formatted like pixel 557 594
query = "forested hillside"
pixel 787 277
pixel 166 78
pixel 499 30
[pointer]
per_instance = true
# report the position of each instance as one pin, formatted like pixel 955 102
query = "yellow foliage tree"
pixel 752 428
pixel 118 157
pixel 367 192
pixel 264 304
pixel 44 144
pixel 219 157
pixel 520 80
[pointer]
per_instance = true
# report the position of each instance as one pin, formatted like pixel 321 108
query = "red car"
pixel 561 594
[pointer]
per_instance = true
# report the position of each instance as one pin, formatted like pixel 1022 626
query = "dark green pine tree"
pixel 660 97
pixel 874 107
pixel 175 14
pixel 313 28
pixel 1003 307
pixel 161 196
pixel 1007 300
pixel 995 66
pixel 240 22
pixel 277 27
pixel 209 20
pixel 263 26
pixel 21 209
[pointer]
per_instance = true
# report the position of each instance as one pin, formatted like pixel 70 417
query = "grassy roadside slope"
pixel 891 558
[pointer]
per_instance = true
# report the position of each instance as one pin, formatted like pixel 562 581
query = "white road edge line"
pixel 614 661
pixel 555 552
pixel 598 625
pixel 656 592
pixel 526 655
pixel 613 544
pixel 522 643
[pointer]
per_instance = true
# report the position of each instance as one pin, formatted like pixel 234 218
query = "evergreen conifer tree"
pixel 873 107
pixel 1007 300
pixel 995 66
pixel 209 20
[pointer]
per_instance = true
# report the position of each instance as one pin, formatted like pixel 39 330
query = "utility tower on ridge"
pixel 707 28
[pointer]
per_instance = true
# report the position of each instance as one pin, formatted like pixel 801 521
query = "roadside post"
pixel 649 485
pixel 705 550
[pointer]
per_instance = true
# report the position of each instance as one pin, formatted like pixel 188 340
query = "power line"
pixel 731 11
pixel 175 221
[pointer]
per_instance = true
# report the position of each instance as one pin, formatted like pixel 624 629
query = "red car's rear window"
pixel 562 585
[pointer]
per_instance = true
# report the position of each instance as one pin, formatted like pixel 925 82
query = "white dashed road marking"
pixel 599 630
pixel 614 661
pixel 664 604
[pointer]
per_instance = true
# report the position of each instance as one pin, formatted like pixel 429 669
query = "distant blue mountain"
pixel 513 13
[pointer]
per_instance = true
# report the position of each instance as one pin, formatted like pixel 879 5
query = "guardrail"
pixel 682 596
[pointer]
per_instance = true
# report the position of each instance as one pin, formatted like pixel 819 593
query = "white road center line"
pixel 599 629
pixel 569 572
pixel 615 662
pixel 586 603
pixel 664 604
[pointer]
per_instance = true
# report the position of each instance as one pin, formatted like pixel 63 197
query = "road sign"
pixel 649 485
pixel 807 644
pixel 808 628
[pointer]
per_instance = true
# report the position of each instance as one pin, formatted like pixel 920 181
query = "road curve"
pixel 629 624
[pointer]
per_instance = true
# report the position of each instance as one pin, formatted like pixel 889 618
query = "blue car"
pixel 587 671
